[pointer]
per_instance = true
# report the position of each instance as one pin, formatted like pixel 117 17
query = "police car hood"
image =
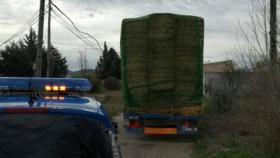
pixel 88 104
pixel 56 105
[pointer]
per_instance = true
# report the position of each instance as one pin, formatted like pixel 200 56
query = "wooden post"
pixel 273 34
pixel 49 55
pixel 38 69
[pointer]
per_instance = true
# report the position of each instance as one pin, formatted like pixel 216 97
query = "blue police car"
pixel 50 117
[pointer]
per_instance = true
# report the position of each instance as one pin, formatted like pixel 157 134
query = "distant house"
pixel 220 66
pixel 213 74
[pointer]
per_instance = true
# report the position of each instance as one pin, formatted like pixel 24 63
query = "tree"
pixel 60 67
pixel 18 58
pixel 83 62
pixel 108 64
pixel 253 96
pixel 253 39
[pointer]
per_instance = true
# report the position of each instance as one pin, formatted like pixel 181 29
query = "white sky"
pixel 102 19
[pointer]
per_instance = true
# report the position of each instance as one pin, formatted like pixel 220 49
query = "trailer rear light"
pixel 135 124
pixel 187 124
pixel 26 110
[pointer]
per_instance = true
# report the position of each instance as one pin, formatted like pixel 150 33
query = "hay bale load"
pixel 162 57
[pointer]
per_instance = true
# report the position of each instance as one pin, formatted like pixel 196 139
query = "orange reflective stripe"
pixel 151 130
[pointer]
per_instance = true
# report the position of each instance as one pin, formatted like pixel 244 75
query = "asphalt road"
pixel 135 146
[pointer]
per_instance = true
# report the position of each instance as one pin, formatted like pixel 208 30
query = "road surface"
pixel 135 146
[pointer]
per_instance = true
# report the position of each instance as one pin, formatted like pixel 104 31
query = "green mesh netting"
pixel 162 61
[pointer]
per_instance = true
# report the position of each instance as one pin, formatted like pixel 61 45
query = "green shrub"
pixel 111 83
pixel 96 83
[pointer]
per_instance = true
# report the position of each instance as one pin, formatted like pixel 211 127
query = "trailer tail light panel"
pixel 135 124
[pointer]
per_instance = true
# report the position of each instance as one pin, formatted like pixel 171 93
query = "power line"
pixel 69 27
pixel 77 27
pixel 72 25
pixel 29 23
pixel 19 32
pixel 56 19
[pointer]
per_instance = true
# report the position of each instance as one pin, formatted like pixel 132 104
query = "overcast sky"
pixel 102 19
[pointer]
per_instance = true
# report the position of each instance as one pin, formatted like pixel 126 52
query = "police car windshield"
pixel 50 136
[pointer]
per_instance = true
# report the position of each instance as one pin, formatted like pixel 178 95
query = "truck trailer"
pixel 162 73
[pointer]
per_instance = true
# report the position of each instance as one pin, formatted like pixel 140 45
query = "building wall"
pixel 213 80
pixel 217 66
pixel 214 75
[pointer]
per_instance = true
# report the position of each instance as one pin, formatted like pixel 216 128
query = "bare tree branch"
pixel 255 34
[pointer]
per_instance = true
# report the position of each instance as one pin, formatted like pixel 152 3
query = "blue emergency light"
pixel 48 84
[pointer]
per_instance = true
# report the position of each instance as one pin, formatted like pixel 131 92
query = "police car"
pixel 50 117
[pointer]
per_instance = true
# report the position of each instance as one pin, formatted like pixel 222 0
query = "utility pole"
pixel 49 55
pixel 85 61
pixel 273 34
pixel 38 68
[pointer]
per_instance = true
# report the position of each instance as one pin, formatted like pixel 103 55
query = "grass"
pixel 233 153
pixel 219 146
pixel 204 151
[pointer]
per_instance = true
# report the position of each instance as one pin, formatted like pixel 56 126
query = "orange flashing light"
pixel 48 88
pixel 55 88
pixel 62 88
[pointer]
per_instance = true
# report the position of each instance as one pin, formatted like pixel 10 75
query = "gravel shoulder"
pixel 136 146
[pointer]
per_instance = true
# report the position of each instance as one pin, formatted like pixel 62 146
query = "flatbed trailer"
pixel 162 73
